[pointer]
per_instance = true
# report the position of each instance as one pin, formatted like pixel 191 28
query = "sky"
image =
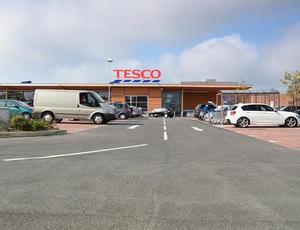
pixel 55 41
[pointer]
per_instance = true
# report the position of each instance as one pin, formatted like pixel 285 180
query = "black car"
pixel 290 108
pixel 161 112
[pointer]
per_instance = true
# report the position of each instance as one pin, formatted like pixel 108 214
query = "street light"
pixel 109 60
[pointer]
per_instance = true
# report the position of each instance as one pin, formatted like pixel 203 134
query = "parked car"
pixel 297 111
pixel 123 110
pixel 161 112
pixel 17 108
pixel 72 104
pixel 289 108
pixel 243 115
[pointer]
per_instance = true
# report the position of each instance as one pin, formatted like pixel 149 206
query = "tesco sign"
pixel 137 75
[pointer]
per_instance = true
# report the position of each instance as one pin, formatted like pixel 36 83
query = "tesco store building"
pixel 141 88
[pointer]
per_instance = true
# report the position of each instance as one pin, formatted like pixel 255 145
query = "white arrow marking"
pixel 197 129
pixel 74 154
pixel 133 127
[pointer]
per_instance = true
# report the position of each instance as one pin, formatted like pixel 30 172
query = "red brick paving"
pixel 76 126
pixel 289 137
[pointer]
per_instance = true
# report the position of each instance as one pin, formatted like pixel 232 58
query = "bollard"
pixel 4 117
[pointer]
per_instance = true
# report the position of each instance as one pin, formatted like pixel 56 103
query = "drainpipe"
pixel 181 102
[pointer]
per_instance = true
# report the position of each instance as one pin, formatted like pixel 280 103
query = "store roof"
pixel 216 85
pixel 249 91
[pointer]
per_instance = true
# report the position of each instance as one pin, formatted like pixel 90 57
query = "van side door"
pixel 87 104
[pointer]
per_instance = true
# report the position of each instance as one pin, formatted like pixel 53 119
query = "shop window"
pixel 25 96
pixel 2 94
pixel 103 94
pixel 138 101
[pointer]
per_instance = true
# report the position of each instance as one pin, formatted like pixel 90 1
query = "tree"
pixel 292 81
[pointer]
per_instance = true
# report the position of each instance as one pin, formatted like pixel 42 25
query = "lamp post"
pixel 109 60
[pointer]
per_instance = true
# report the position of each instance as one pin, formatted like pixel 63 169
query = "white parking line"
pixel 165 130
pixel 165 136
pixel 74 154
pixel 274 141
pixel 197 129
pixel 133 127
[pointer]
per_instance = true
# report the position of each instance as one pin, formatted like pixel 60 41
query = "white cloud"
pixel 231 58
pixel 283 55
pixel 225 59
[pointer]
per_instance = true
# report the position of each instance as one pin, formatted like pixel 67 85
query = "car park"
pixel 17 108
pixel 161 112
pixel 72 104
pixel 243 115
pixel 123 110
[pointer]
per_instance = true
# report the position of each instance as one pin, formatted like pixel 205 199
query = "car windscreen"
pixel 233 107
pixel 22 104
pixel 97 96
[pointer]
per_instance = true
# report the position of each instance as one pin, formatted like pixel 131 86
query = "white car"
pixel 243 115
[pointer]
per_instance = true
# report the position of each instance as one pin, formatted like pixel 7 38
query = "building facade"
pixel 180 97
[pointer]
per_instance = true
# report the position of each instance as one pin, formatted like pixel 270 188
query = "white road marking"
pixel 165 130
pixel 165 136
pixel 274 141
pixel 74 154
pixel 197 129
pixel 133 127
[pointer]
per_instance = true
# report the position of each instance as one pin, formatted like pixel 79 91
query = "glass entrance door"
pixel 172 100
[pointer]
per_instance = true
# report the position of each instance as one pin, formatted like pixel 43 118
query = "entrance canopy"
pixel 231 97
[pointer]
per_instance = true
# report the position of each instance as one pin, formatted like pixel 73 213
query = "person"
pixel 83 100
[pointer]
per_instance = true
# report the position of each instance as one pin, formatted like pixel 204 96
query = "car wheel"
pixel 243 122
pixel 150 114
pixel 26 115
pixel 98 119
pixel 48 116
pixel 291 122
pixel 122 116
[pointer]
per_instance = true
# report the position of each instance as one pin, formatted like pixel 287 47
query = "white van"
pixel 75 104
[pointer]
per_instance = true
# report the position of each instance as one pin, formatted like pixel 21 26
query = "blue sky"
pixel 70 40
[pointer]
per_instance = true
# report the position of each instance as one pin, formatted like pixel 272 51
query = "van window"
pixel 88 99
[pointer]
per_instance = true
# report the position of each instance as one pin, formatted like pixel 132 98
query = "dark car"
pixel 290 108
pixel 123 110
pixel 297 111
pixel 161 112
pixel 201 109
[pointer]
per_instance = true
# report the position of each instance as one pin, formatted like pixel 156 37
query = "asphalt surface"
pixel 188 178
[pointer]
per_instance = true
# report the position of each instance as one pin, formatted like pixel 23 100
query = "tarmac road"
pixel 184 176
